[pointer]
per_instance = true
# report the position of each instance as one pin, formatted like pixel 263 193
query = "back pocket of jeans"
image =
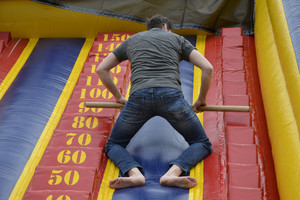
pixel 175 105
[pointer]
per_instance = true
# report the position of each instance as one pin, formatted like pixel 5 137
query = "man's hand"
pixel 121 100
pixel 198 104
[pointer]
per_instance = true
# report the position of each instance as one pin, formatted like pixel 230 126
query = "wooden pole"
pixel 103 105
pixel 221 108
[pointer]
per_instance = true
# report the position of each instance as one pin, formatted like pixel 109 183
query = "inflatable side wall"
pixel 280 85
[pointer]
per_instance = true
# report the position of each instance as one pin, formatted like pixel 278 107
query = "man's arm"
pixel 103 72
pixel 197 59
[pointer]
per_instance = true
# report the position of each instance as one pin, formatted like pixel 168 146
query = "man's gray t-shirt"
pixel 154 56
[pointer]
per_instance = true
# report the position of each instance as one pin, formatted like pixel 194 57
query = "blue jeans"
pixel 165 102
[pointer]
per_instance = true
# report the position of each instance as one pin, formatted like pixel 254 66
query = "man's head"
pixel 158 21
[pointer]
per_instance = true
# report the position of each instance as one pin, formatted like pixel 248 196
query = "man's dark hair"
pixel 158 21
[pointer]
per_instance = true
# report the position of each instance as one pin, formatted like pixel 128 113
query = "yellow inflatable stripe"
pixel 17 67
pixel 111 172
pixel 286 55
pixel 196 193
pixel 28 171
pixel 282 125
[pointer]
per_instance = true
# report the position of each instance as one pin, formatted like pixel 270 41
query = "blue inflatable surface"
pixel 291 9
pixel 28 104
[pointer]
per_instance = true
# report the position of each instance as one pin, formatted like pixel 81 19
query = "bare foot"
pixel 126 182
pixel 135 179
pixel 185 182
pixel 173 178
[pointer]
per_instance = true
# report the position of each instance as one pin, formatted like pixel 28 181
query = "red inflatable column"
pixel 243 169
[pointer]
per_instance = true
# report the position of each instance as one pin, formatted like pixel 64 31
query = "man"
pixel 156 90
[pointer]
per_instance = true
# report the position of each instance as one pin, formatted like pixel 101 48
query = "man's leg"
pixel 199 144
pixel 199 148
pixel 116 150
pixel 181 116
pixel 130 120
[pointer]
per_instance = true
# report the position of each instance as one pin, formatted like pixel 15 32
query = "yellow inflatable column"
pixel 280 104
pixel 286 55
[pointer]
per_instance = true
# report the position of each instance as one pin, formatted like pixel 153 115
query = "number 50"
pixel 57 176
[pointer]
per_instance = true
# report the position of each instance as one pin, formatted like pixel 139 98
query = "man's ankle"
pixel 134 172
pixel 175 170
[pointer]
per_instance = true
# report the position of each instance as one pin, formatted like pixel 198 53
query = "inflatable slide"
pixel 52 145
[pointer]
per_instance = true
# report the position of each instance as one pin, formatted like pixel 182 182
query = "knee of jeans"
pixel 207 145
pixel 107 147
